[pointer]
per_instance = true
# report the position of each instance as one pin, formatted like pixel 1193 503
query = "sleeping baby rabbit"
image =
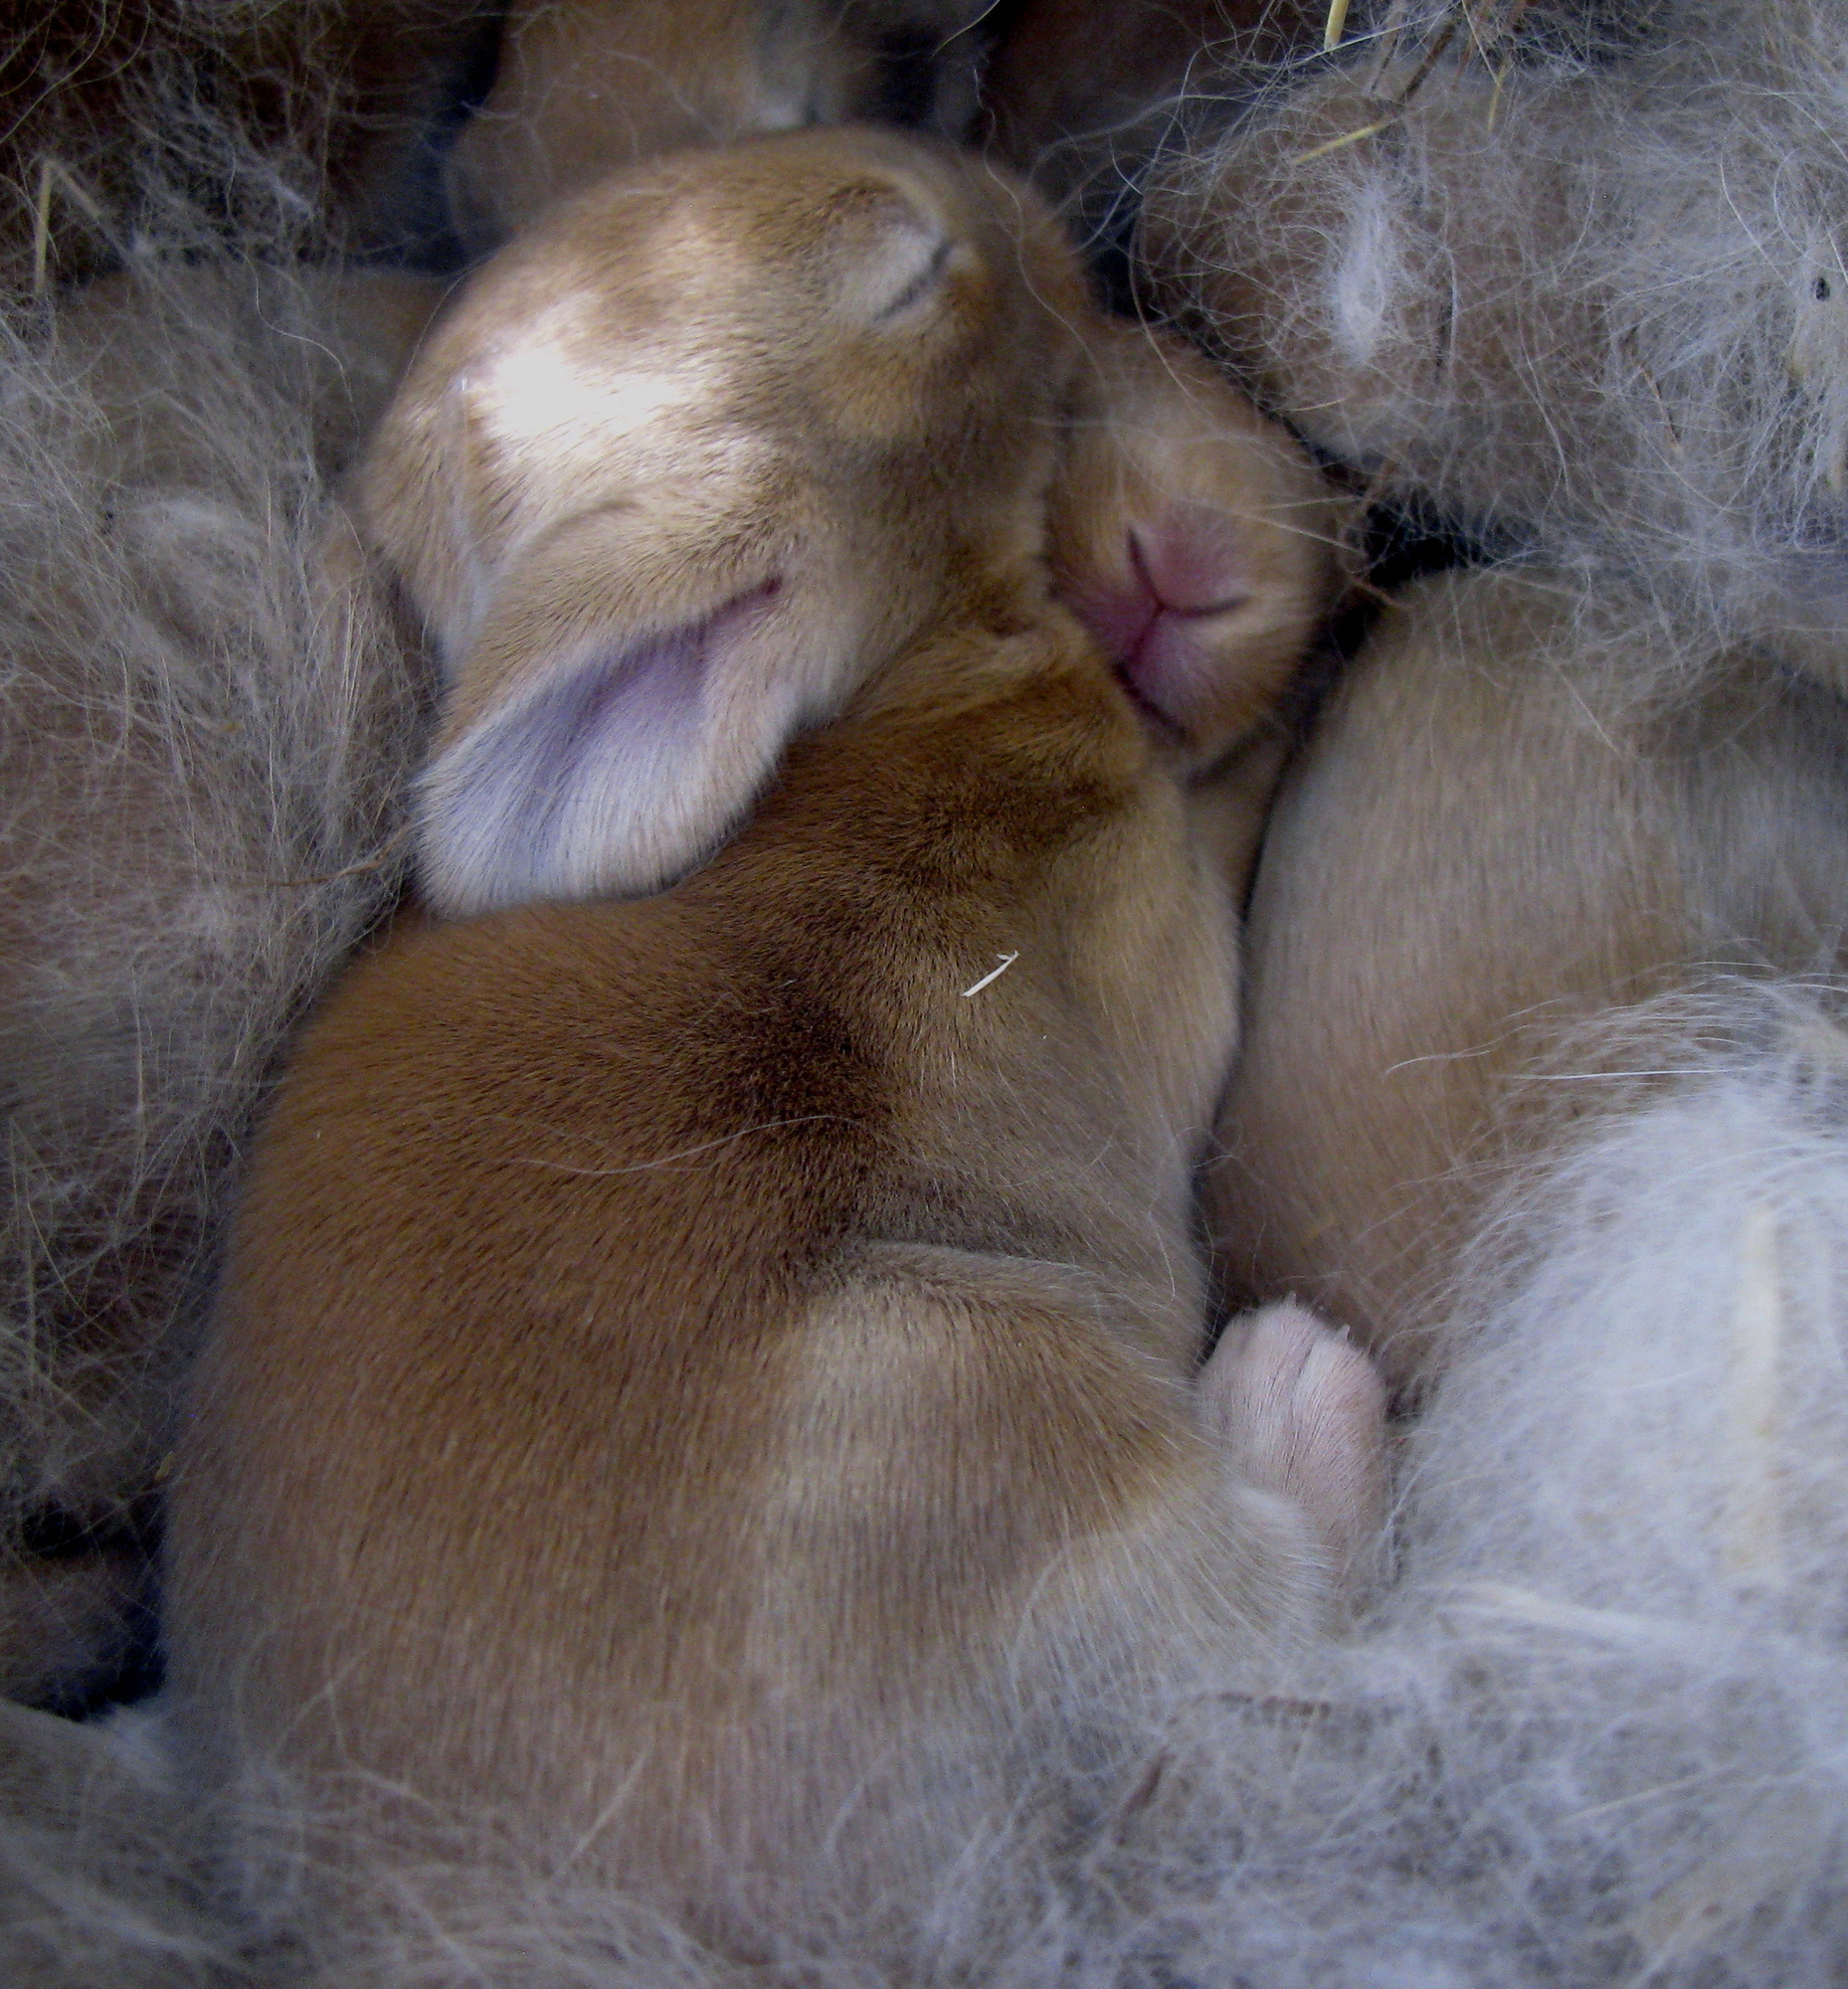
pixel 700 1376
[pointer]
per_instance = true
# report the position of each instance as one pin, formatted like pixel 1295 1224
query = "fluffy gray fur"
pixel 201 745
pixel 1596 304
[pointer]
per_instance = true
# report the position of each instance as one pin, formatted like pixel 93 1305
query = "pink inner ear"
pixel 1177 573
pixel 599 780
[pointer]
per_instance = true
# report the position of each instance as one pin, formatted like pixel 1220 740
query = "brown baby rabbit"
pixel 583 86
pixel 1530 811
pixel 698 1376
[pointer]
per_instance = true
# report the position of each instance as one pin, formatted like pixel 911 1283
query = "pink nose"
pixel 1179 575
pixel 1193 566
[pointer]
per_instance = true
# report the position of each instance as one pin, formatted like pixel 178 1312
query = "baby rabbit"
pixel 583 86
pixel 697 1377
pixel 1495 849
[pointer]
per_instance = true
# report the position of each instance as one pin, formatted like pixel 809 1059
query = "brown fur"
pixel 587 86
pixel 693 1384
pixel 1188 533
pixel 1493 841
pixel 1177 497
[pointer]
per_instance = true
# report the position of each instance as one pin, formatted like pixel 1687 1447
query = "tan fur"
pixel 1493 841
pixel 696 1378
pixel 1177 494
pixel 584 86
pixel 1186 531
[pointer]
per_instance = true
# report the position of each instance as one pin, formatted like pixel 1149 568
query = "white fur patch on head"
pixel 539 397
pixel 540 392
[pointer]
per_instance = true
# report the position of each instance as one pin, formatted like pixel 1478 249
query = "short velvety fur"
pixel 583 86
pixel 1493 843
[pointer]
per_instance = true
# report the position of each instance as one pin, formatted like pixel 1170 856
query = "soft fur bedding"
pixel 1592 1730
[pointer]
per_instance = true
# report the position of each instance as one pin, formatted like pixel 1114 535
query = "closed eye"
pixel 925 281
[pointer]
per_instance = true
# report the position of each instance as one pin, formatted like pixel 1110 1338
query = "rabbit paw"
pixel 1303 1410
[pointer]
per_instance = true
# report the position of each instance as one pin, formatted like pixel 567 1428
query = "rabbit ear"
pixel 613 771
pixel 1192 537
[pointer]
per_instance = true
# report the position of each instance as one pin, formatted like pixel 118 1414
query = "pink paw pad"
pixel 1303 1410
